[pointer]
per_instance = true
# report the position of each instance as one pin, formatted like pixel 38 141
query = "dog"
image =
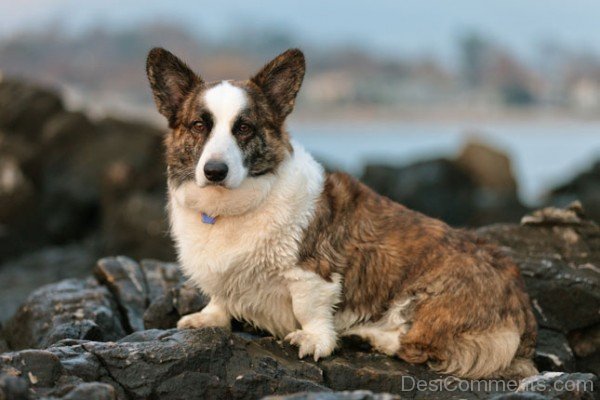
pixel 311 256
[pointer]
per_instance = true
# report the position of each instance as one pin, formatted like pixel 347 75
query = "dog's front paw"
pixel 203 320
pixel 319 344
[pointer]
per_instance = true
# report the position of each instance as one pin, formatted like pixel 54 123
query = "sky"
pixel 390 27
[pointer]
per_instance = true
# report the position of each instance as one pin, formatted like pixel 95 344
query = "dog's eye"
pixel 244 130
pixel 198 126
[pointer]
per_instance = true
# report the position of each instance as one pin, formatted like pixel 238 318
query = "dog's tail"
pixel 478 355
pixel 494 354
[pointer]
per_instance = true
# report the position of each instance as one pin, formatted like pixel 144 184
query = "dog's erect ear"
pixel 280 80
pixel 171 81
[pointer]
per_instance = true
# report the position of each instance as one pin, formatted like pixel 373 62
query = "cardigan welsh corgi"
pixel 310 256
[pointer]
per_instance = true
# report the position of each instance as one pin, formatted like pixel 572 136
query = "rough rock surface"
pixel 73 308
pixel 112 337
pixel 560 262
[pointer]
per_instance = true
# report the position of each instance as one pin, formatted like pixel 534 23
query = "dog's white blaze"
pixel 225 102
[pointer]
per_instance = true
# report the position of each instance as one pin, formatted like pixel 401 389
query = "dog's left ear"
pixel 280 80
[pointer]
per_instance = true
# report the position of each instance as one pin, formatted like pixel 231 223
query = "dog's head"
pixel 227 133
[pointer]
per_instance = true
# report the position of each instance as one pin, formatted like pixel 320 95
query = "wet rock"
pixel 167 309
pixel 356 395
pixel 127 283
pixel 161 277
pixel 92 391
pixel 21 276
pixel 553 352
pixel 77 309
pixel 192 385
pixel 161 364
pixel 40 367
pixel 585 188
pixel 212 363
pixel 161 313
pixel 557 385
pixel 560 263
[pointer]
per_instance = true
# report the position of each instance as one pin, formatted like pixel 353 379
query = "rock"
pixel 585 341
pixel 168 308
pixel 152 295
pixel 586 345
pixel 572 215
pixel 456 192
pixel 92 391
pixel 161 277
pixel 25 108
pixel 126 281
pixel 133 191
pixel 585 188
pixel 438 188
pixel 560 263
pixel 356 395
pixel 557 385
pixel 13 387
pixel 167 364
pixel 138 225
pixel 19 277
pixel 553 352
pixel 77 309
pixel 212 363
pixel 17 205
pixel 489 168
pixel 81 325
pixel 16 190
pixel 40 367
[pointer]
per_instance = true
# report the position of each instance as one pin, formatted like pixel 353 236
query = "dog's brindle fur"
pixel 457 302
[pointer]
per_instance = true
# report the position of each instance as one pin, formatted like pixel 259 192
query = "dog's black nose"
pixel 215 171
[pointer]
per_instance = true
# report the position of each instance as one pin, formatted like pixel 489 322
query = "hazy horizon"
pixel 424 28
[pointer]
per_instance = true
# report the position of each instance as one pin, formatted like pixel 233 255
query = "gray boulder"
pixel 73 308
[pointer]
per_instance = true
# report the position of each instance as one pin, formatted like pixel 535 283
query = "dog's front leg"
pixel 213 315
pixel 313 302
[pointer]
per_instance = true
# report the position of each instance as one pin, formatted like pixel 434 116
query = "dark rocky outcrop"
pixel 559 256
pixel 585 188
pixel 476 189
pixel 73 308
pixel 67 182
pixel 66 176
pixel 112 337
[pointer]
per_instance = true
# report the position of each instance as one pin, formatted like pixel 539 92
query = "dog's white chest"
pixel 243 259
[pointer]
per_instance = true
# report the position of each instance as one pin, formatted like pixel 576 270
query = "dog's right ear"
pixel 171 81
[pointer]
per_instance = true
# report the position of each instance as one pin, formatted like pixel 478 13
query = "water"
pixel 543 154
